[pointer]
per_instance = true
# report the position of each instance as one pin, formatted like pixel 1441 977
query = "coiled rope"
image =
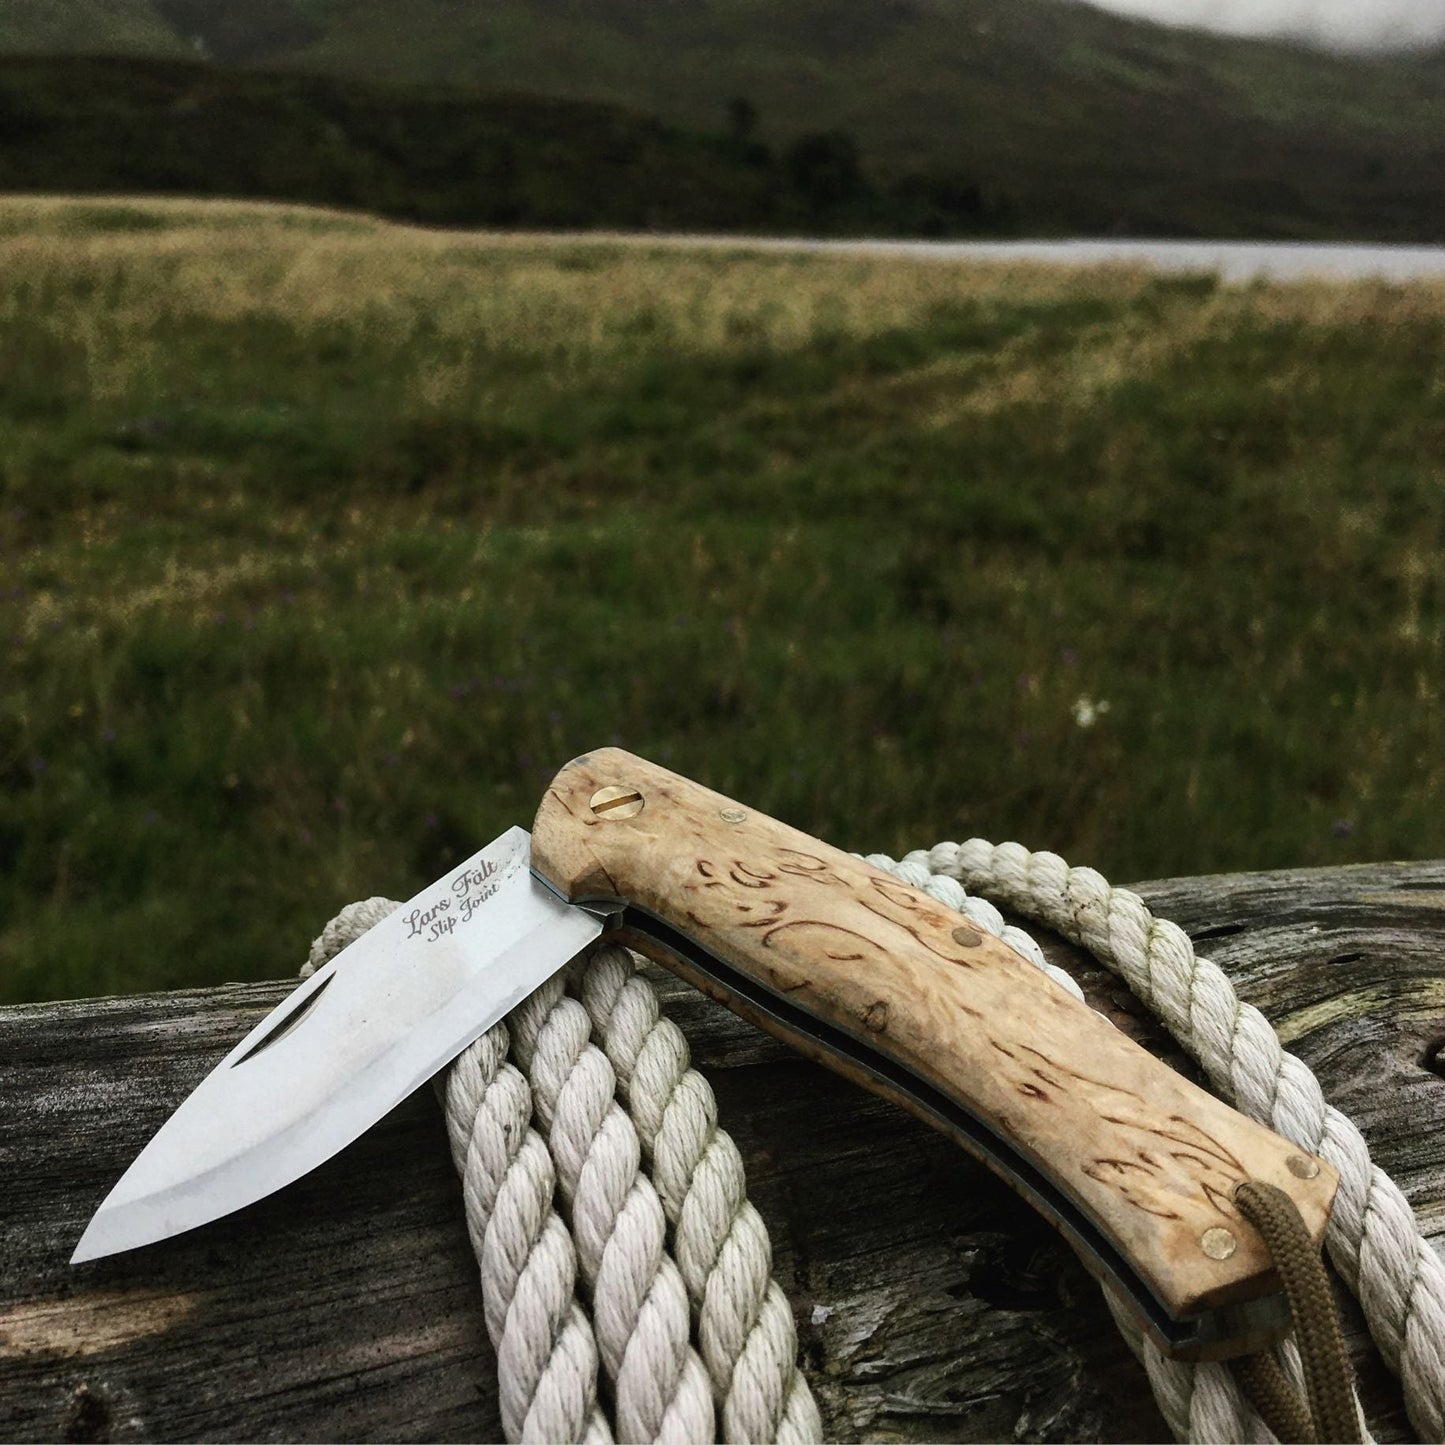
pixel 576 1166
pixel 603 1148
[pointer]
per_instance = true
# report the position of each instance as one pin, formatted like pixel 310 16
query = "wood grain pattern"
pixel 930 1307
pixel 1149 1158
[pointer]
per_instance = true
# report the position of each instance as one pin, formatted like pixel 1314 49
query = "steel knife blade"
pixel 1134 1164
pixel 349 1044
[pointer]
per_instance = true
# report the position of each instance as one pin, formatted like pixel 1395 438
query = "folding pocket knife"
pixel 1131 1162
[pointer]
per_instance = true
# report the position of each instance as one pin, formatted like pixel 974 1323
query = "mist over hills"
pixel 1345 25
pixel 1030 115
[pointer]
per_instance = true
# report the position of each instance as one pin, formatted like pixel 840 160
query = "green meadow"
pixel 325 541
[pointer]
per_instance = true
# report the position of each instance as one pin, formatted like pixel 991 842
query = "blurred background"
pixel 393 406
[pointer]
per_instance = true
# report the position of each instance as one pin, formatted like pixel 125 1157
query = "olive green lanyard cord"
pixel 1329 1380
pixel 1268 1389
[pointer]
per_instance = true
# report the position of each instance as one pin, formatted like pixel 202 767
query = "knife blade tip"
pixel 88 1248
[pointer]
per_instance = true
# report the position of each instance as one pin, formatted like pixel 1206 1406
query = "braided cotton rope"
pixel 639 1303
pixel 745 1324
pixel 1372 1238
pixel 523 1140
pixel 546 1350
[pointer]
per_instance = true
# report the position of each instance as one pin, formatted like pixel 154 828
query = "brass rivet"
pixel 732 815
pixel 1218 1243
pixel 966 937
pixel 615 802
pixel 1302 1166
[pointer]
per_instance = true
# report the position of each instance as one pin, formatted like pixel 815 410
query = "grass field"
pixel 325 542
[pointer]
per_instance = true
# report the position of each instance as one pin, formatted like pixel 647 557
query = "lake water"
pixel 1231 260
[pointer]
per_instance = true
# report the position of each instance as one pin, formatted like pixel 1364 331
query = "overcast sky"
pixel 1346 24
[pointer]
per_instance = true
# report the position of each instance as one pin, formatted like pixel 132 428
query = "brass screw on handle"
pixel 1218 1243
pixel 617 802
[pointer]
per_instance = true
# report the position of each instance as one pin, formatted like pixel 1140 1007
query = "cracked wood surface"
pixel 930 1304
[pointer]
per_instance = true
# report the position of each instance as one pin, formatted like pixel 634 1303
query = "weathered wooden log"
pixel 930 1304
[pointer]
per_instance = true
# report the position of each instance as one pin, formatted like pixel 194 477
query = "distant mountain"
pixel 1083 120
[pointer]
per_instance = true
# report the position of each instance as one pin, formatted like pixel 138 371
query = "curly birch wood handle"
pixel 878 980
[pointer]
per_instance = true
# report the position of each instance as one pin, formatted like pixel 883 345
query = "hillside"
pixel 913 78
pixel 441 156
pixel 1083 120
pixel 67 27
